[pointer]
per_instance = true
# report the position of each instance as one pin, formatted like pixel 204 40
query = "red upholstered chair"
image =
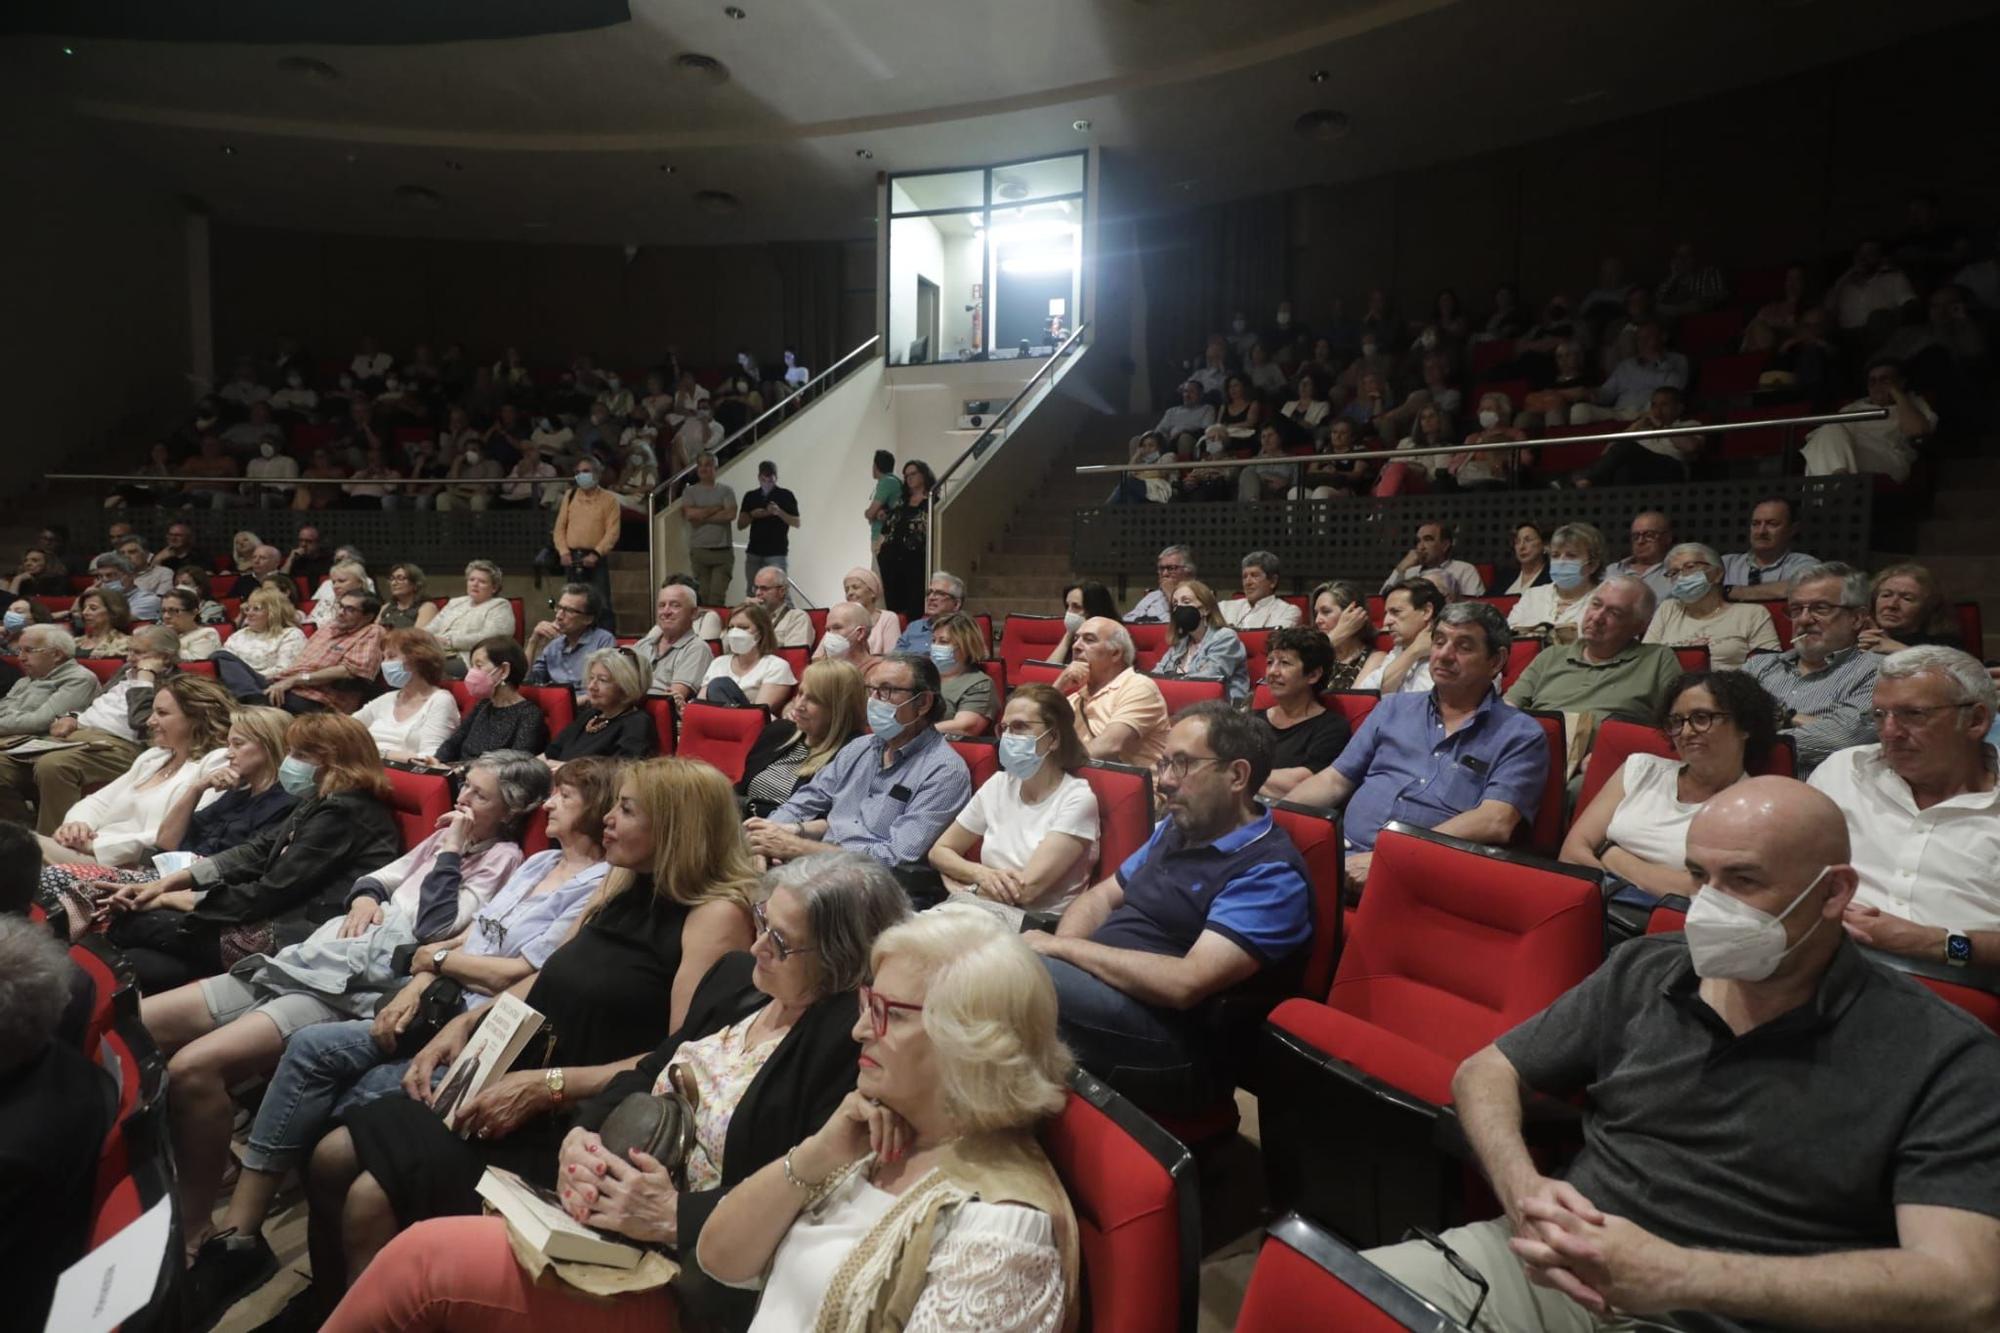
pixel 985 622
pixel 557 702
pixel 1302 1267
pixel 1618 741
pixel 661 710
pixel 1519 653
pixel 1693 657
pixel 115 992
pixel 535 835
pixel 1151 642
pixel 231 607
pixel 996 671
pixel 720 735
pixel 1781 621
pixel 199 669
pixel 817 616
pixel 1970 628
pixel 795 658
pixel 1033 672
pixel 418 800
pixel 1256 648
pixel 1316 833
pixel 462 696
pixel 1137 1211
pixel 1501 602
pixel 1453 944
pixel 1490 353
pixel 1486 572
pixel 1354 705
pixel 104 668
pixel 1545 834
pixel 1303 604
pixel 1124 812
pixel 1185 690
pixel 1670 916
pixel 981 755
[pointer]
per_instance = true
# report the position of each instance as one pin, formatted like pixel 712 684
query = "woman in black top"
pixel 677 900
pixel 905 555
pixel 1306 736
pixel 613 726
pixel 503 719
pixel 788 1006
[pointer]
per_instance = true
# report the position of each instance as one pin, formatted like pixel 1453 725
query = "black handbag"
pixel 661 1125
pixel 442 1001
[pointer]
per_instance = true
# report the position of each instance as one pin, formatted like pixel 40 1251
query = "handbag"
pixel 442 1001
pixel 661 1125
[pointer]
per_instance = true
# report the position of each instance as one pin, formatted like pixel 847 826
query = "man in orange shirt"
pixel 586 531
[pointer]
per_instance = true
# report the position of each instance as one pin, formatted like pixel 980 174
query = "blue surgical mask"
pixel 882 719
pixel 586 481
pixel 1691 586
pixel 1565 573
pixel 298 777
pixel 396 672
pixel 15 619
pixel 945 656
pixel 1018 756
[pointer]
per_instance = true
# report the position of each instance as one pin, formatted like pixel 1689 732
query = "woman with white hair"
pixel 1697 614
pixel 482 614
pixel 611 724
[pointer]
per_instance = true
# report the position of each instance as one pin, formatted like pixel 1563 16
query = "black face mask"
pixel 1187 619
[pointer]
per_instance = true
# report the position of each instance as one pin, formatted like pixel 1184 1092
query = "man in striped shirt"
pixel 1826 683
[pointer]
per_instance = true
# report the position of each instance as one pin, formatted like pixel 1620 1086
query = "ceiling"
pixel 602 136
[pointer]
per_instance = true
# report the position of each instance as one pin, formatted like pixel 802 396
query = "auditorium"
pixel 739 667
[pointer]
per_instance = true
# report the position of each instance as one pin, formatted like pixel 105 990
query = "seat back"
pixel 1519 653
pixel 981 755
pixel 1138 1218
pixel 557 702
pixel 199 669
pixel 661 710
pixel 1303 1267
pixel 1181 691
pixel 1693 657
pixel 113 989
pixel 996 671
pixel 720 735
pixel 1454 943
pixel 1316 833
pixel 104 668
pixel 1617 741
pixel 1983 1005
pixel 795 658
pixel 1150 641
pixel 1545 834
pixel 1354 705
pixel 1124 812
pixel 816 615
pixel 535 833
pixel 1970 627
pixel 1034 672
pixel 1256 649
pixel 1028 638
pixel 418 801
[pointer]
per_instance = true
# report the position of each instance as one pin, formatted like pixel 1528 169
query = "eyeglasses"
pixel 1170 569
pixel 1641 536
pixel 1817 610
pixel 877 1006
pixel 1910 718
pixel 887 693
pixel 1698 722
pixel 939 592
pixel 1177 766
pixel 779 945
pixel 572 610
pixel 355 607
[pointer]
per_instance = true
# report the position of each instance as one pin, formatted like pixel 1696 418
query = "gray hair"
pixel 1649 601
pixel 157 639
pixel 1491 624
pixel 623 668
pixel 489 569
pixel 1853 582
pixel 954 582
pixel 693 600
pixel 523 779
pixel 1121 639
pixel 352 553
pixel 1707 553
pixel 50 636
pixel 850 898
pixel 1585 535
pixel 1186 556
pixel 113 560
pixel 34 989
pixel 1958 667
pixel 1265 561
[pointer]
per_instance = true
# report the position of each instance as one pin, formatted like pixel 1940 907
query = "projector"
pixel 977 413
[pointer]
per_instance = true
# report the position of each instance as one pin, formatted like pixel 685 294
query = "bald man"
pixel 1779 1131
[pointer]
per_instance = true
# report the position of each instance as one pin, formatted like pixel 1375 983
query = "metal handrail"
pixel 265 483
pixel 985 440
pixel 1175 464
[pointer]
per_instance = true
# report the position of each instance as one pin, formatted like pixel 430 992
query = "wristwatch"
pixel 437 961
pixel 1957 949
pixel 553 1078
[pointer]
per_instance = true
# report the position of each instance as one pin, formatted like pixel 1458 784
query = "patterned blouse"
pixel 722 1067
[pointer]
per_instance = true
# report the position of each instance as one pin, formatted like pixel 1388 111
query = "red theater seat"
pixel 1150 641
pixel 1180 692
pixel 661 710
pixel 996 671
pixel 418 800
pixel 535 834
pixel 981 756
pixel 720 735
pixel 104 668
pixel 817 616
pixel 1256 651
pixel 1618 741
pixel 1124 811
pixel 557 702
pixel 1694 657
pixel 1519 653
pixel 1545 834
pixel 1452 945
pixel 1033 672
pixel 1302 1267
pixel 1137 1211
pixel 115 994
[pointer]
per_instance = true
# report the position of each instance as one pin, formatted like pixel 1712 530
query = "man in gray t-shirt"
pixel 709 509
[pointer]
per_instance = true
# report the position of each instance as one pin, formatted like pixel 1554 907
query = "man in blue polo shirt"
pixel 1218 898
pixel 1458 759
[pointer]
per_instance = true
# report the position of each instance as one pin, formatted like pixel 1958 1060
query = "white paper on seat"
pixel 107 1286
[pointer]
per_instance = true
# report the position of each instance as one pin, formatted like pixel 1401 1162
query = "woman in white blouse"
pixel 1037 817
pixel 419 714
pixel 178 612
pixel 750 660
pixel 270 640
pixel 482 614
pixel 1554 609
pixel 1697 614
pixel 1719 722
pixel 864 588
pixel 119 824
pixel 1310 407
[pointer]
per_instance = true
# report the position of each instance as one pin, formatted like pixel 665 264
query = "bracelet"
pixel 811 1187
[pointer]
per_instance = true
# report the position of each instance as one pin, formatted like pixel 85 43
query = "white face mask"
pixel 1730 940
pixel 739 641
pixel 1489 418
pixel 1073 621
pixel 836 645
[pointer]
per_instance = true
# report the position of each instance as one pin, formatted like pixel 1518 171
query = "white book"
pixel 504 1033
pixel 545 1229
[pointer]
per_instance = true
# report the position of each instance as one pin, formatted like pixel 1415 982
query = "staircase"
pixel 1029 567
pixel 1957 541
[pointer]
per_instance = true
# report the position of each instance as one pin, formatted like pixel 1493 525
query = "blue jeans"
pixel 327 1070
pixel 1148 1054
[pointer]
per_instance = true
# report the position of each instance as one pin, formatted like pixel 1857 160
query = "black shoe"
pixel 304 1313
pixel 226 1268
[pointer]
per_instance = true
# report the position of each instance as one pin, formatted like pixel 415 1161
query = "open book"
pixel 541 1226
pixel 508 1027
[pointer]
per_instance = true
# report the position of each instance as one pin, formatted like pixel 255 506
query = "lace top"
pixel 722 1066
pixel 993 1266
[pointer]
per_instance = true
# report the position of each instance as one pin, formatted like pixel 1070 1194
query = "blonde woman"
pixel 864 588
pixel 957 649
pixel 830 709
pixel 610 725
pixel 1203 644
pixel 482 614
pixel 270 640
pixel 678 899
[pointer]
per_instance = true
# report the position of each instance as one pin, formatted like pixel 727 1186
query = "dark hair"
pixel 1423 594
pixel 19 849
pixel 1443 525
pixel 1541 529
pixel 1314 650
pixel 767 469
pixel 1233 736
pixel 924 675
pixel 1097 600
pixel 1492 625
pixel 196 575
pixel 1791 505
pixel 1738 695
pixel 371 605
pixel 502 651
pixel 181 597
pixel 593 605
pixel 885 461
pixel 924 469
pixel 678 579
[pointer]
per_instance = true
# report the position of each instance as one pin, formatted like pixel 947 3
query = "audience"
pixel 708 508
pixel 1202 645
pixel 847 637
pixel 1082 601
pixel 1608 671
pixel 1340 612
pixel 1410 613
pixel 1888 446
pixel 197 642
pixel 791 627
pixel 957 648
pixel 1907 609
pixel 1217 901
pixel 106 619
pixel 1182 425
pixel 587 527
pixel 1648 460
pixel 1755 1221
pixel 1034 822
pixel 610 722
pixel 463 623
pixel 417 714
pixel 1635 829
pixel 944 596
pixel 749 669
pixel 674 658
pixel 501 718
pixel 1306 736
pixel 905 555
pixel 1575 563
pixel 1120 713
pixel 560 648
pixel 1697 615
pixel 1870 295
pixel 1174 564
pixel 1765 572
pixel 1260 607
pixel 336 669
pixel 1480 782
pixel 888 794
pixel 1920 806
pixel 1824 682
pixel 829 710
pixel 768 516
pixel 1627 392
pixel 1432 555
pixel 53 683
pixel 1651 537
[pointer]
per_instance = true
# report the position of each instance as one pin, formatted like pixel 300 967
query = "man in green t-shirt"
pixel 888 493
pixel 1607 671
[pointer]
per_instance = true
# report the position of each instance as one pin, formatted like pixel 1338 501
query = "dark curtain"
pixel 810 275
pixel 1199 267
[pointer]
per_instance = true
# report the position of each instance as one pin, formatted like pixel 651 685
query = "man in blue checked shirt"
pixel 1217 899
pixel 889 793
pixel 1458 759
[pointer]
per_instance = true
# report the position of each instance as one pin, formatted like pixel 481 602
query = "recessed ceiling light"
pixel 69 50
pixel 864 153
pixel 1584 99
pixel 1322 126
pixel 703 67
pixel 227 151
pixel 1080 126
pixel 718 203
pixel 453 164
pixel 1319 76
pixel 735 12
pixel 666 168
pixel 309 67
pixel 420 197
